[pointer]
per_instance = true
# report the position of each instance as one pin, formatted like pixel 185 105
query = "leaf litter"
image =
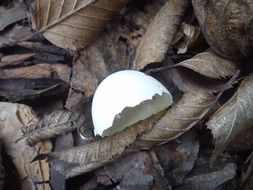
pixel 34 71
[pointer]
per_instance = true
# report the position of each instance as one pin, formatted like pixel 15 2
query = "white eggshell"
pixel 122 89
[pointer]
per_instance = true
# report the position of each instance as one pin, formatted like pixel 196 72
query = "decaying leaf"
pixel 14 117
pixel 227 26
pixel 56 123
pixel 10 60
pixel 204 177
pixel 233 117
pixel 90 156
pixel 188 80
pixel 13 34
pixel 178 157
pixel 133 172
pixel 74 24
pixel 179 118
pixel 210 65
pixel 22 89
pixel 160 34
pixel 191 33
pixel 54 71
pixel 7 16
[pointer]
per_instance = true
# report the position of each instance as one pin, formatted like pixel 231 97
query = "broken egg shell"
pixel 124 98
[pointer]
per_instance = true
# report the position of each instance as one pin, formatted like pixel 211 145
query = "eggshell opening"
pixel 124 98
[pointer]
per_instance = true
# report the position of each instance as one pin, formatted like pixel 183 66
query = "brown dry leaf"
pixel 14 117
pixel 210 65
pixel 54 71
pixel 7 16
pixel 23 89
pixel 191 33
pixel 74 24
pixel 90 156
pixel 10 60
pixel 181 117
pixel 160 34
pixel 56 123
pixel 227 26
pixel 13 34
pixel 233 117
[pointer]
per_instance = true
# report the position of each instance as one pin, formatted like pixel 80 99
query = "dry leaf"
pixel 210 65
pixel 56 123
pixel 23 89
pixel 90 156
pixel 14 117
pixel 233 117
pixel 191 33
pixel 160 33
pixel 188 80
pixel 54 71
pixel 74 24
pixel 10 60
pixel 7 16
pixel 179 119
pixel 13 34
pixel 227 26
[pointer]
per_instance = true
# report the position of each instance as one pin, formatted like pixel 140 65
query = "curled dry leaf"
pixel 191 33
pixel 233 117
pixel 14 117
pixel 56 123
pixel 210 65
pixel 74 24
pixel 179 119
pixel 159 35
pixel 227 26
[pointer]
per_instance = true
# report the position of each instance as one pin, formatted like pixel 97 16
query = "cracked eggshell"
pixel 124 98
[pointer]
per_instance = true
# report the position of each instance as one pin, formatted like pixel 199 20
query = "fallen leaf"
pixel 90 156
pixel 38 71
pixel 180 118
pixel 210 65
pixel 56 123
pixel 191 33
pixel 11 60
pixel 178 157
pixel 207 178
pixel 12 34
pixel 227 26
pixel 7 16
pixel 143 135
pixel 160 34
pixel 58 181
pixel 14 118
pixel 234 117
pixel 23 89
pixel 188 80
pixel 74 24
pixel 132 172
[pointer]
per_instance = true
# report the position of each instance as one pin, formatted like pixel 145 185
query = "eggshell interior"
pixel 125 89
